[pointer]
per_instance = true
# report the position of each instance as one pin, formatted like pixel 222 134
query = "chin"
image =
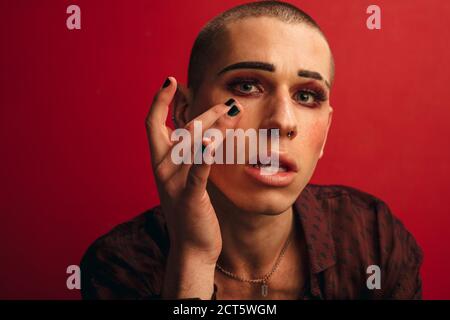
pixel 260 200
pixel 268 203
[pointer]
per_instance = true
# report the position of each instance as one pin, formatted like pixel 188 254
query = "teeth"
pixel 259 166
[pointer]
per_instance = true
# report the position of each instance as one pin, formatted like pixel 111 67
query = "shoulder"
pixel 129 257
pixel 357 210
pixel 147 230
pixel 341 194
pixel 347 203
pixel 366 232
pixel 351 208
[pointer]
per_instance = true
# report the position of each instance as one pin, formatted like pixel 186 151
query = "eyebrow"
pixel 249 65
pixel 313 75
pixel 271 68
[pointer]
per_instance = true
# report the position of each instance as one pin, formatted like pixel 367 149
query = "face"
pixel 288 90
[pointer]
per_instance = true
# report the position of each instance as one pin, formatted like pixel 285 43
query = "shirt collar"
pixel 317 231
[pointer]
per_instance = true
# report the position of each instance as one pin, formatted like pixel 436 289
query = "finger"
pixel 230 112
pixel 197 177
pixel 226 114
pixel 158 133
pixel 218 117
pixel 229 121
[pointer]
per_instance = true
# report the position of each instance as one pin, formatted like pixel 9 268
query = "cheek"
pixel 315 135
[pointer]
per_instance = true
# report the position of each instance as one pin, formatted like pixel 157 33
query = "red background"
pixel 74 159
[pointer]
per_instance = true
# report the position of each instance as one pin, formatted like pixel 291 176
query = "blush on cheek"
pixel 316 136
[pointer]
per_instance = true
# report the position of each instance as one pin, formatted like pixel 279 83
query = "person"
pixel 222 231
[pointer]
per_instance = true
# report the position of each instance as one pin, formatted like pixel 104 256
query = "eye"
pixel 309 97
pixel 245 86
pixel 305 97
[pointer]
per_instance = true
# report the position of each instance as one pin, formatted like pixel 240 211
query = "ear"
pixel 330 117
pixel 181 102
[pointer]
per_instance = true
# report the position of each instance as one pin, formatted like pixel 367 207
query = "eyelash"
pixel 318 94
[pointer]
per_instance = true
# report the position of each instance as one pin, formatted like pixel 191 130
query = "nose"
pixel 279 114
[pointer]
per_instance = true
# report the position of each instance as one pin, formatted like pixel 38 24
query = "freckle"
pixel 316 134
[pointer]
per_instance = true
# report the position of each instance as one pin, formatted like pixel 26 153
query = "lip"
pixel 279 179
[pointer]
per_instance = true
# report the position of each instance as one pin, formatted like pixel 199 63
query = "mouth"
pixel 285 164
pixel 271 175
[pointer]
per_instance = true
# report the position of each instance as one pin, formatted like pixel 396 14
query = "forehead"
pixel 289 47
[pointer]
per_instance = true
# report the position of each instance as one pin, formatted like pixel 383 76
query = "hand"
pixel 191 220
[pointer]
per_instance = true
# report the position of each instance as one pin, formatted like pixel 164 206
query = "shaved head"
pixel 207 44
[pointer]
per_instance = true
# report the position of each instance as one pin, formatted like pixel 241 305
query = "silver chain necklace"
pixel 264 280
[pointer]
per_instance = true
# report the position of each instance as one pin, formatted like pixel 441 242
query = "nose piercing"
pixel 290 134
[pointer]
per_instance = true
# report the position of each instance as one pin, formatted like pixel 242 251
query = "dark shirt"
pixel 346 231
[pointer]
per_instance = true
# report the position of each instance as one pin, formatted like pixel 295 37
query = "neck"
pixel 251 242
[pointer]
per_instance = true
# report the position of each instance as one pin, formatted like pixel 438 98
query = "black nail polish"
pixel 166 83
pixel 229 102
pixel 233 111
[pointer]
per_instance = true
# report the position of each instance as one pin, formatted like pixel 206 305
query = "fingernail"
pixel 233 111
pixel 166 83
pixel 229 102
